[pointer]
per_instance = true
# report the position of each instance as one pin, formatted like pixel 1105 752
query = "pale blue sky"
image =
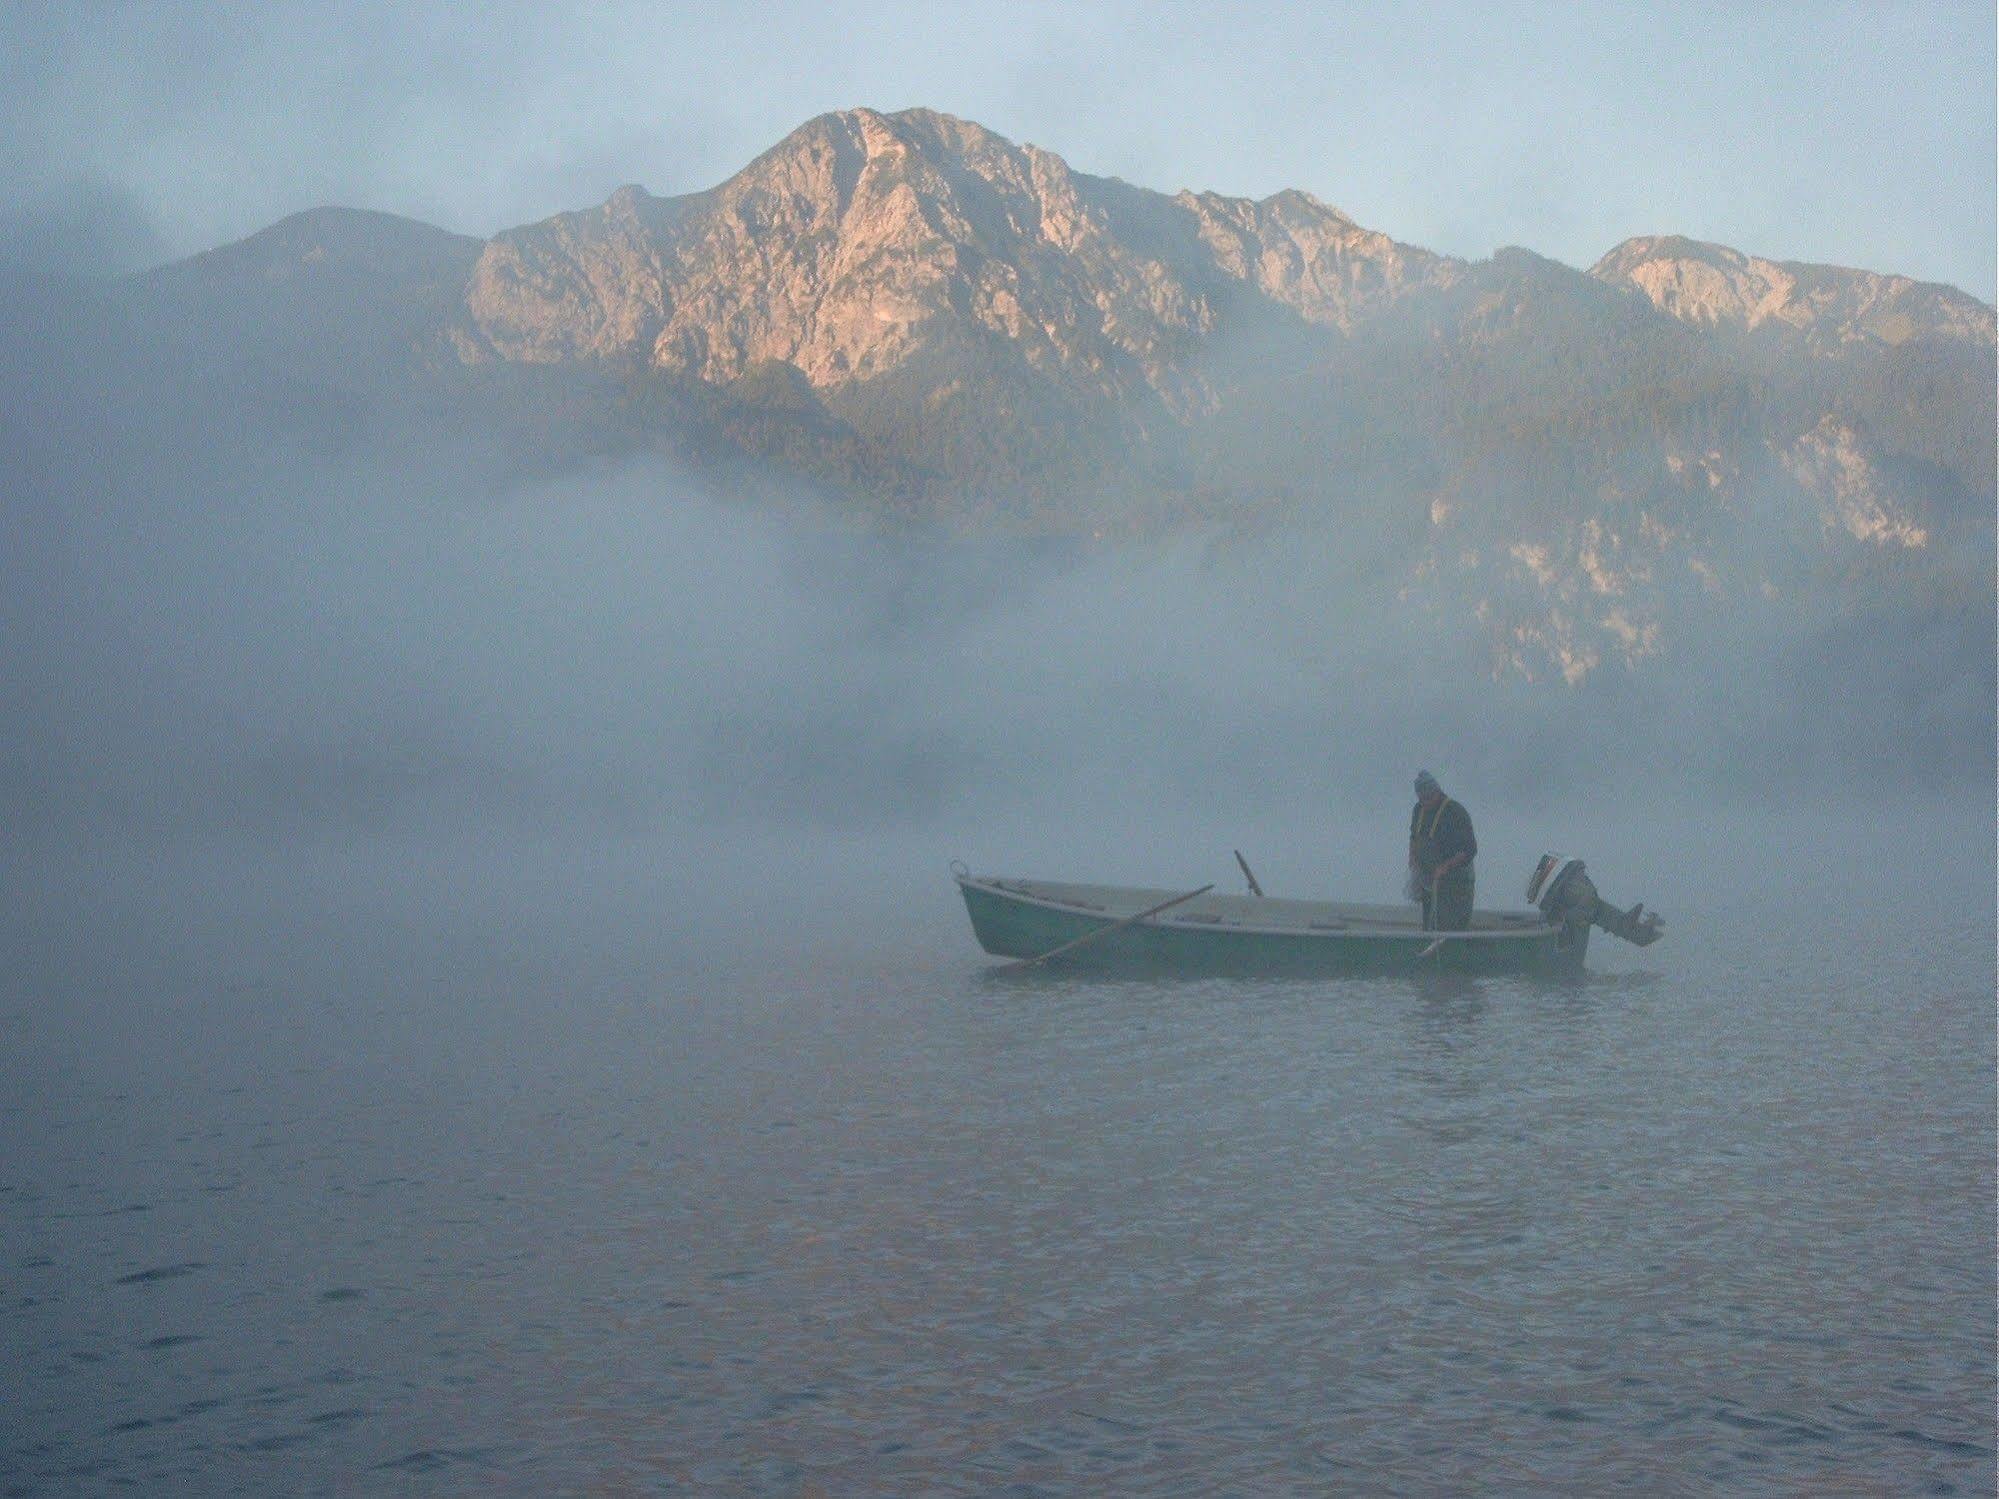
pixel 1861 134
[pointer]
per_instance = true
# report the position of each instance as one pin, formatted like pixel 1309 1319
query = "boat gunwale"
pixel 991 885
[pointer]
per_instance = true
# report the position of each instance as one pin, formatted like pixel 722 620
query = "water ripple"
pixel 889 1227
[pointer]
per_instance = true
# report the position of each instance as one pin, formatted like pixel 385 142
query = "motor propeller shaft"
pixel 1563 890
pixel 1636 925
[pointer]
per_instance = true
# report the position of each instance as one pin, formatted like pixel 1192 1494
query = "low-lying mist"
pixel 235 660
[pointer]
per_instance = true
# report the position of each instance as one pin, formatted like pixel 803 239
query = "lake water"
pixel 396 1194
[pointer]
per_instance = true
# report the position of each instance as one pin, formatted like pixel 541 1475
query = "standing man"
pixel 1441 849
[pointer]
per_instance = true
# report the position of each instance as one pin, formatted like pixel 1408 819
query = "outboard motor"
pixel 1565 894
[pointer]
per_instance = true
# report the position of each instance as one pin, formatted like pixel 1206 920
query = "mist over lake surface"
pixel 484 1008
pixel 408 1162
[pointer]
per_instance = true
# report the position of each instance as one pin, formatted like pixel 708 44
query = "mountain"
pixel 974 305
pixel 864 241
pixel 1827 307
pixel 343 293
pixel 925 322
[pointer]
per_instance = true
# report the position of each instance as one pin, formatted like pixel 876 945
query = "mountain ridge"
pixel 1712 284
pixel 911 131
pixel 924 321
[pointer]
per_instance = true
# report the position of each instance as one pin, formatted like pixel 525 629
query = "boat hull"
pixel 1222 935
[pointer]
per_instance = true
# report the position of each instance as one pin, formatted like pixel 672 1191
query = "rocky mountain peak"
pixel 1826 306
pixel 629 199
pixel 333 293
pixel 1293 203
pixel 865 240
pixel 333 240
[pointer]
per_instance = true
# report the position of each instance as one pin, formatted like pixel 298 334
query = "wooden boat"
pixel 1133 928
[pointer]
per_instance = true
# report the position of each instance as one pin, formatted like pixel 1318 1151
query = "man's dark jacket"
pixel 1439 833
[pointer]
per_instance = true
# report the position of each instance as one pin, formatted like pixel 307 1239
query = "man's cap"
pixel 1426 782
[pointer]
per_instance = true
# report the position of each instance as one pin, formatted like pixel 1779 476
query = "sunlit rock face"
pixel 1827 306
pixel 1832 464
pixel 863 241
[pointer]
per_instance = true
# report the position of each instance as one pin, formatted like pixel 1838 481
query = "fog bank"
pixel 243 651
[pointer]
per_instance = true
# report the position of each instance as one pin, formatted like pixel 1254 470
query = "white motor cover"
pixel 1549 875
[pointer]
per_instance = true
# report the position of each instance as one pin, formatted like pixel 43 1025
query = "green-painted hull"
pixel 1011 923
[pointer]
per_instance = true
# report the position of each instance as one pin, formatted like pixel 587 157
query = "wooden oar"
pixel 1104 931
pixel 1254 888
pixel 1436 884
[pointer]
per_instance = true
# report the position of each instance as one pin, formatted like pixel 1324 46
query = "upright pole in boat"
pixel 1104 931
pixel 1254 888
